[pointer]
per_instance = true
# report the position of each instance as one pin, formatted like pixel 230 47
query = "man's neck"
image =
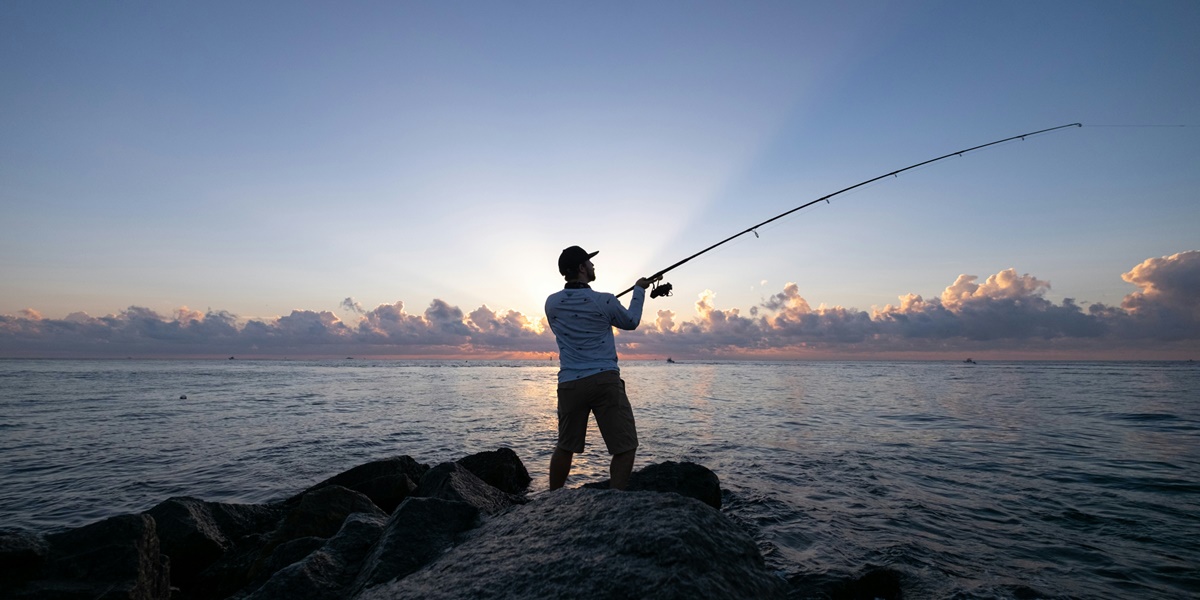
pixel 576 284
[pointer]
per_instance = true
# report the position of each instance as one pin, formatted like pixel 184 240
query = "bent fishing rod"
pixel 664 289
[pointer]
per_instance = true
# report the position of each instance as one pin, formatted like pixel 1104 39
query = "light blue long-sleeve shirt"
pixel 582 320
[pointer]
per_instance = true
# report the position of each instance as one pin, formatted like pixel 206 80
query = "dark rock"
pixel 598 543
pixel 116 558
pixel 238 582
pixel 387 492
pixel 875 584
pixel 290 552
pixel 232 572
pixel 420 530
pixel 321 512
pixel 686 479
pixel 308 522
pixel 386 482
pixel 325 573
pixel 195 533
pixel 21 555
pixel 501 469
pixel 452 481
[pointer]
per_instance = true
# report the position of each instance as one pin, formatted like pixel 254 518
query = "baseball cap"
pixel 572 257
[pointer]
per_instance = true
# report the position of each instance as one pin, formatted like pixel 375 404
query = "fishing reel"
pixel 660 289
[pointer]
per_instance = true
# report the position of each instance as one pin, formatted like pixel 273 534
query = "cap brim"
pixel 591 254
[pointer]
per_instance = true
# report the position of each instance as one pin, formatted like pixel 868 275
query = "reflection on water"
pixel 974 481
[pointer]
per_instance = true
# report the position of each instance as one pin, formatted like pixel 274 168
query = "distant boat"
pixel 671 360
pixel 970 362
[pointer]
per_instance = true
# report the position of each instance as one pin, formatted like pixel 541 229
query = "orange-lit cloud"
pixel 1007 314
pixel 1168 304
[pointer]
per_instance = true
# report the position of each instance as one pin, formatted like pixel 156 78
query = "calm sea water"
pixel 996 480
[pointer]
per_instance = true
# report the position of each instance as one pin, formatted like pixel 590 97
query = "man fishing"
pixel 588 378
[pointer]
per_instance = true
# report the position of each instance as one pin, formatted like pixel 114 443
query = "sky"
pixel 398 178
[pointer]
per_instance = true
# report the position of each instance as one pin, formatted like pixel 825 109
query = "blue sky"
pixel 255 160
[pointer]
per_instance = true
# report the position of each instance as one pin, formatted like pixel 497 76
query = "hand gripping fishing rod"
pixel 664 289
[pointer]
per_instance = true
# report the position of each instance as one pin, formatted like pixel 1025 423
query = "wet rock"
pixel 419 531
pixel 113 559
pixel 325 573
pixel 684 478
pixel 501 469
pixel 611 544
pixel 386 482
pixel 195 533
pixel 452 481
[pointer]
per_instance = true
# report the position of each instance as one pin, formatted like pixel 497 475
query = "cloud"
pixel 1005 306
pixel 1005 285
pixel 1007 313
pixel 1167 304
pixel 352 305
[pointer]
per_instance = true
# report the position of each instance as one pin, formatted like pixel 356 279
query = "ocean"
pixel 989 480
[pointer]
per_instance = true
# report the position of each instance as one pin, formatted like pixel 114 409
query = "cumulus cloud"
pixel 1006 312
pixel 1005 285
pixel 1167 304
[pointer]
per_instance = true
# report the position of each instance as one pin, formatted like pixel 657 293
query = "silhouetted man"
pixel 588 378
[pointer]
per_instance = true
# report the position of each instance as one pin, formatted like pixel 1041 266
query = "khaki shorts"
pixel 603 394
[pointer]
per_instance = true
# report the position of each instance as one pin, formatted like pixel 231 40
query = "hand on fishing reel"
pixel 663 289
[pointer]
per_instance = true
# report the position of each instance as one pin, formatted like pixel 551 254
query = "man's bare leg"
pixel 560 467
pixel 620 469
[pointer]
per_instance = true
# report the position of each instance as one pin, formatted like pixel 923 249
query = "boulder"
pixel 325 573
pixel 231 573
pixel 289 552
pixel 685 478
pixel 21 555
pixel 236 582
pixel 877 584
pixel 386 482
pixel 117 558
pixel 419 531
pixel 321 512
pixel 599 544
pixel 195 533
pixel 452 481
pixel 500 468
pixel 309 521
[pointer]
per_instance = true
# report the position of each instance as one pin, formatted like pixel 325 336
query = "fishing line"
pixel 1138 126
pixel 664 289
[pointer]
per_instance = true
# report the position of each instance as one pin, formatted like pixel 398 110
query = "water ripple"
pixel 1020 480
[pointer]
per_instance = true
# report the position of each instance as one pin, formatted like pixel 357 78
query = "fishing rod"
pixel 664 289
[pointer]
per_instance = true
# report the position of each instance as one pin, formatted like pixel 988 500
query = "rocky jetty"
pixel 399 529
